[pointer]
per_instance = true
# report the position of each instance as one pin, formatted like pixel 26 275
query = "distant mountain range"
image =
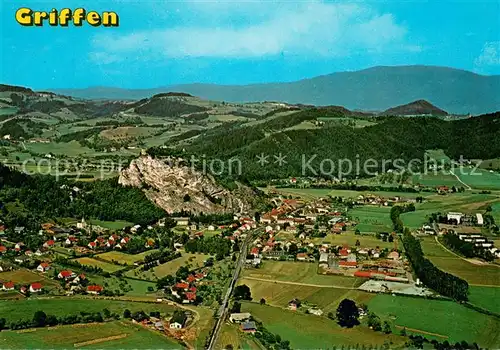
pixel 373 89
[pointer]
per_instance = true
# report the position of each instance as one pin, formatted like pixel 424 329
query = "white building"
pixel 455 216
pixel 480 220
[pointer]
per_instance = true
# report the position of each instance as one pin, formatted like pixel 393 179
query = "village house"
pixel 94 289
pixel 178 321
pixel 8 286
pixel 35 287
pixel 183 221
pixel 189 297
pixel 248 327
pixel 66 274
pixel 43 267
pixel 50 243
pixel 294 304
pixel 239 317
pixel 393 255
pixel 302 257
pixel 317 312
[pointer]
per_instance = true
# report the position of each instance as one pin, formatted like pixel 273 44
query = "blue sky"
pixel 163 42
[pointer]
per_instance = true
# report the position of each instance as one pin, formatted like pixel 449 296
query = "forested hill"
pixel 405 138
pixel 28 199
pixel 420 107
pixel 373 89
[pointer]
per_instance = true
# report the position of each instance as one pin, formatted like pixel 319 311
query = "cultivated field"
pixel 231 334
pixel 111 335
pixel 453 321
pixel 372 219
pixel 313 193
pixel 479 179
pixel 24 309
pixel 171 267
pixel 434 180
pixel 485 297
pixel 299 272
pixel 107 267
pixel 279 294
pixel 367 240
pixel 124 258
pixel 26 277
pixel 309 331
pixel 475 274
pixel 467 202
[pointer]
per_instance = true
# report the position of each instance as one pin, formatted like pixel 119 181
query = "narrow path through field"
pixel 460 180
pixel 461 257
pixel 299 283
pixel 423 332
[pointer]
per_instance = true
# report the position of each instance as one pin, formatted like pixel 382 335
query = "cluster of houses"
pixel 481 242
pixel 179 320
pixel 35 287
pixel 185 291
pixel 371 199
pixel 456 218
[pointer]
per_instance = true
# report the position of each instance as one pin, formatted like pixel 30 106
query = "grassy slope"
pixel 442 317
pixel 472 273
pixel 309 331
pixel 24 309
pixel 64 337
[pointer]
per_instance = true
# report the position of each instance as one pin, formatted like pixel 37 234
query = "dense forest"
pixel 392 139
pixel 25 200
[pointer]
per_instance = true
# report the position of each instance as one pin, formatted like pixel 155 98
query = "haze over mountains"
pixel 373 89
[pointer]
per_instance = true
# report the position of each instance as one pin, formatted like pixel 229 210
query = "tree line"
pixel 442 282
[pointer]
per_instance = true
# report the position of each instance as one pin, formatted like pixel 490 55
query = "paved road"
pixel 223 310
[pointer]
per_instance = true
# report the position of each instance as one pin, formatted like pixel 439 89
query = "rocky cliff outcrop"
pixel 174 186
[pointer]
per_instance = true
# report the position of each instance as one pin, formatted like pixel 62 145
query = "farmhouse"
pixel 8 286
pixel 178 321
pixel 49 243
pixel 94 289
pixel 43 267
pixel 239 317
pixel 35 287
pixel 248 327
pixel 66 274
pixel 180 221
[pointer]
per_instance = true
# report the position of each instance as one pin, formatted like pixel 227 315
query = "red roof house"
pixel 190 297
pixel 65 274
pixel 94 289
pixel 43 267
pixel 191 279
pixel 35 287
pixel 348 264
pixel 181 285
pixel 8 285
pixel 343 252
pixel 49 243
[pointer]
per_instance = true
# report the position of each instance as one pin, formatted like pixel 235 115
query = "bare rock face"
pixel 174 186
